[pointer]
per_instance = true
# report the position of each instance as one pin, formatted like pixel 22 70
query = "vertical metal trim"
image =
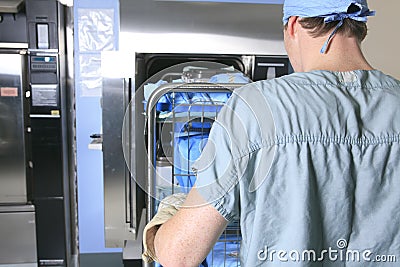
pixel 67 105
pixel 71 122
pixel 116 174
pixel 151 150
pixel 127 143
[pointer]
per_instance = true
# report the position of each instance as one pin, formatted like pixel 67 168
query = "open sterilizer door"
pixel 139 163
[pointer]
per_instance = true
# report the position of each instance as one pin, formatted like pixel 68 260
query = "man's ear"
pixel 292 26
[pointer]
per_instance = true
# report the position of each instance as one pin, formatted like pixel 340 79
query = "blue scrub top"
pixel 310 165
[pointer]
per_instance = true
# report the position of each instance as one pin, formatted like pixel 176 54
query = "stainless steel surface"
pixel 44 116
pixel 11 6
pixel 19 265
pixel 18 236
pixel 133 248
pixel 40 52
pixel 190 27
pixel 119 189
pixel 12 135
pixel 13 45
pixel 56 263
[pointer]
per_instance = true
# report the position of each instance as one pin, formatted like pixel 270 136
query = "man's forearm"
pixel 186 239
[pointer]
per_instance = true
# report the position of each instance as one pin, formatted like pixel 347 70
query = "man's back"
pixel 332 193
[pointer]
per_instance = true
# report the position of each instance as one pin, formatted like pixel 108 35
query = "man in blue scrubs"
pixel 309 162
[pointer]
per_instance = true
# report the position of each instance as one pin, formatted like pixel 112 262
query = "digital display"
pixel 44 59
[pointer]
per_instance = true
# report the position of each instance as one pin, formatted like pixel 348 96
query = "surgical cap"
pixel 330 10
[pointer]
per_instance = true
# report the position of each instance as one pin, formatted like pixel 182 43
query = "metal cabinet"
pixel 18 236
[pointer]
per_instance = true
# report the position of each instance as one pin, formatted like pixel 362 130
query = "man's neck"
pixel 343 54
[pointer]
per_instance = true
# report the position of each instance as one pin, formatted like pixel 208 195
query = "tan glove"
pixel 167 208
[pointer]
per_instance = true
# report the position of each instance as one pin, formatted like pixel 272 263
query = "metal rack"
pixel 183 120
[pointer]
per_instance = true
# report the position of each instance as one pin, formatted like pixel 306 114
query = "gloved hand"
pixel 167 208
